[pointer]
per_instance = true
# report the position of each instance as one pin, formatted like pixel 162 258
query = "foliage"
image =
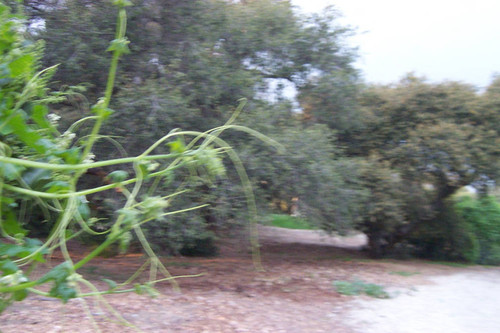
pixel 487 116
pixel 312 170
pixel 481 220
pixel 288 222
pixel 190 60
pixel 384 159
pixel 445 237
pixel 201 54
pixel 39 166
pixel 383 210
pixel 357 287
pixel 429 138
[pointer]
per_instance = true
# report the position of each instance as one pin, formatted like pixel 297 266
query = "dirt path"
pixel 295 294
pixel 466 302
pixel 314 237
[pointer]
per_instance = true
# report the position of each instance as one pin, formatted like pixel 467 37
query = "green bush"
pixel 481 218
pixel 203 246
pixel 445 237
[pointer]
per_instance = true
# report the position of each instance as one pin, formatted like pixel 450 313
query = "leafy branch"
pixel 41 166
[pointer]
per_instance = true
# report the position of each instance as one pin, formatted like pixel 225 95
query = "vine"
pixel 41 166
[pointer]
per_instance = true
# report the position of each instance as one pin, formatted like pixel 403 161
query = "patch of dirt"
pixel 465 302
pixel 295 293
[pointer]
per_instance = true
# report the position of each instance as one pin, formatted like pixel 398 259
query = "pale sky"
pixel 440 39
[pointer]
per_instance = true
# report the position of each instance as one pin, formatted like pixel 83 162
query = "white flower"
pixel 89 158
pixel 68 135
pixel 153 166
pixel 53 118
pixel 65 139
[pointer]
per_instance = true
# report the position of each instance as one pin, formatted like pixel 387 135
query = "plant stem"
pixel 109 85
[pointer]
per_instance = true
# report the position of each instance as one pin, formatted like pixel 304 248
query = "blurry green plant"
pixel 40 167
pixel 467 231
pixel 480 219
pixel 357 287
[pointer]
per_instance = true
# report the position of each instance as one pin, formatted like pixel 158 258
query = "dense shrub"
pixel 481 218
pixel 467 229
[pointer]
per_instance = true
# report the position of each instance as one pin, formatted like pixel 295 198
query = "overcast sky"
pixel 439 39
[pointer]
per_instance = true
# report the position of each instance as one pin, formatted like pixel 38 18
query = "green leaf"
pixel 33 243
pixel 68 233
pixel 33 177
pixel 70 156
pixel 29 247
pixel 144 166
pixel 117 176
pixel 57 186
pixel 177 146
pixel 20 295
pixel 119 45
pixel 44 145
pixel 63 291
pixel 7 35
pixel 10 171
pixel 101 111
pixel 5 71
pixel 7 266
pixel 22 65
pixel 38 115
pixel 31 138
pixel 112 284
pixel 122 3
pixel 83 209
pixel 23 132
pixel 10 224
pixel 7 201
pixel 12 250
pixel 59 273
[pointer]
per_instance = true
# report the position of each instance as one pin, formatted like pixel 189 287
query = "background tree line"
pixel 387 160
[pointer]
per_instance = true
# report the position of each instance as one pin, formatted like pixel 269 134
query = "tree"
pixel 487 117
pixel 210 53
pixel 430 137
pixel 41 165
pixel 382 211
pixel 311 169
pixel 192 60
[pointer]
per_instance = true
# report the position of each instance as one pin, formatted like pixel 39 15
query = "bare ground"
pixel 294 294
pixel 461 303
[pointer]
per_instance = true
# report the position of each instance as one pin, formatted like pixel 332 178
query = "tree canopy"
pixel 430 138
pixel 386 159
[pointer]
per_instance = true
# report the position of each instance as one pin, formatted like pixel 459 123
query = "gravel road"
pixel 467 302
